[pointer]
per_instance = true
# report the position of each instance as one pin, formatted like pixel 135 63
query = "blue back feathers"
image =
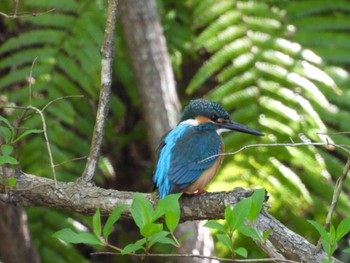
pixel 188 150
pixel 180 160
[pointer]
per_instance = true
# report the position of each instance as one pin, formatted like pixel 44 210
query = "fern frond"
pixel 221 58
pixel 65 44
pixel 273 83
pixel 299 9
pixel 207 12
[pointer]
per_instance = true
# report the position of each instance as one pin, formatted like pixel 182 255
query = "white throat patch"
pixel 219 131
pixel 191 122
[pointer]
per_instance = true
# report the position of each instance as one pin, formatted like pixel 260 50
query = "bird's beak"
pixel 235 126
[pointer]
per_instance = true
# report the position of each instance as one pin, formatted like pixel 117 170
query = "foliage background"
pixel 281 67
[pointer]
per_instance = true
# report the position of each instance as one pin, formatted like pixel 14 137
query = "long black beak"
pixel 235 126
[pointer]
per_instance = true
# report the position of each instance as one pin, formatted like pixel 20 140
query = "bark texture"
pixel 14 230
pixel 152 67
pixel 38 191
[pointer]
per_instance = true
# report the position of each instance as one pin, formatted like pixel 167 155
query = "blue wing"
pixel 180 159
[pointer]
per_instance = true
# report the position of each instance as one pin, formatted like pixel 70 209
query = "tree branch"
pixel 107 52
pixel 31 190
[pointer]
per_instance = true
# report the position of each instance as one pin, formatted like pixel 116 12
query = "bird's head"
pixel 200 112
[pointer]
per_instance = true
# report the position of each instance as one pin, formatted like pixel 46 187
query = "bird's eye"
pixel 217 119
pixel 214 117
pixel 220 120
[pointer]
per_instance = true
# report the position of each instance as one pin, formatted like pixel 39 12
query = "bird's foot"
pixel 200 191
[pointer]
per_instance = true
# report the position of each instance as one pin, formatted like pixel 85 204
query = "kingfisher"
pixel 189 155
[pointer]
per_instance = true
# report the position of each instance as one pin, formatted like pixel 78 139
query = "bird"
pixel 189 155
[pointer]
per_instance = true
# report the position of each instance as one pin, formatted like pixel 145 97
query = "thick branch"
pixel 152 67
pixel 31 190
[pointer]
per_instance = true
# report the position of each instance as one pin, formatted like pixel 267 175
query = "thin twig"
pixel 48 146
pixel 107 52
pixel 15 16
pixel 277 145
pixel 198 256
pixel 16 7
pixel 30 81
pixel 61 98
pixel 71 160
pixel 331 133
pixel 52 165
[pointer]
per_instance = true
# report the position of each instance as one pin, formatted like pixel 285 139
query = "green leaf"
pixel 342 229
pixel 172 220
pixel 6 134
pixel 26 133
pixel 258 199
pixel 141 210
pixel 215 225
pixel 161 237
pixel 8 159
pixel 326 260
pixel 96 223
pixel 226 241
pixel 150 229
pixel 241 251
pixel 11 182
pixel 228 215
pixel 169 203
pixel 240 212
pixel 6 149
pixel 250 232
pixel 267 233
pixel 113 217
pixel 327 247
pixel 69 236
pixel 325 236
pixel 131 248
pixel 12 130
pixel 332 233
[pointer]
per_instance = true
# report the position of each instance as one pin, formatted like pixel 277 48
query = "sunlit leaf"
pixel 169 203
pixel 172 220
pixel 342 229
pixel 250 232
pixel 215 225
pixel 225 240
pixel 241 251
pixel 68 235
pixel 113 217
pixel 239 213
pixel 96 223
pixel 26 133
pixel 134 247
pixel 150 229
pixel 161 237
pixel 258 199
pixel 141 210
